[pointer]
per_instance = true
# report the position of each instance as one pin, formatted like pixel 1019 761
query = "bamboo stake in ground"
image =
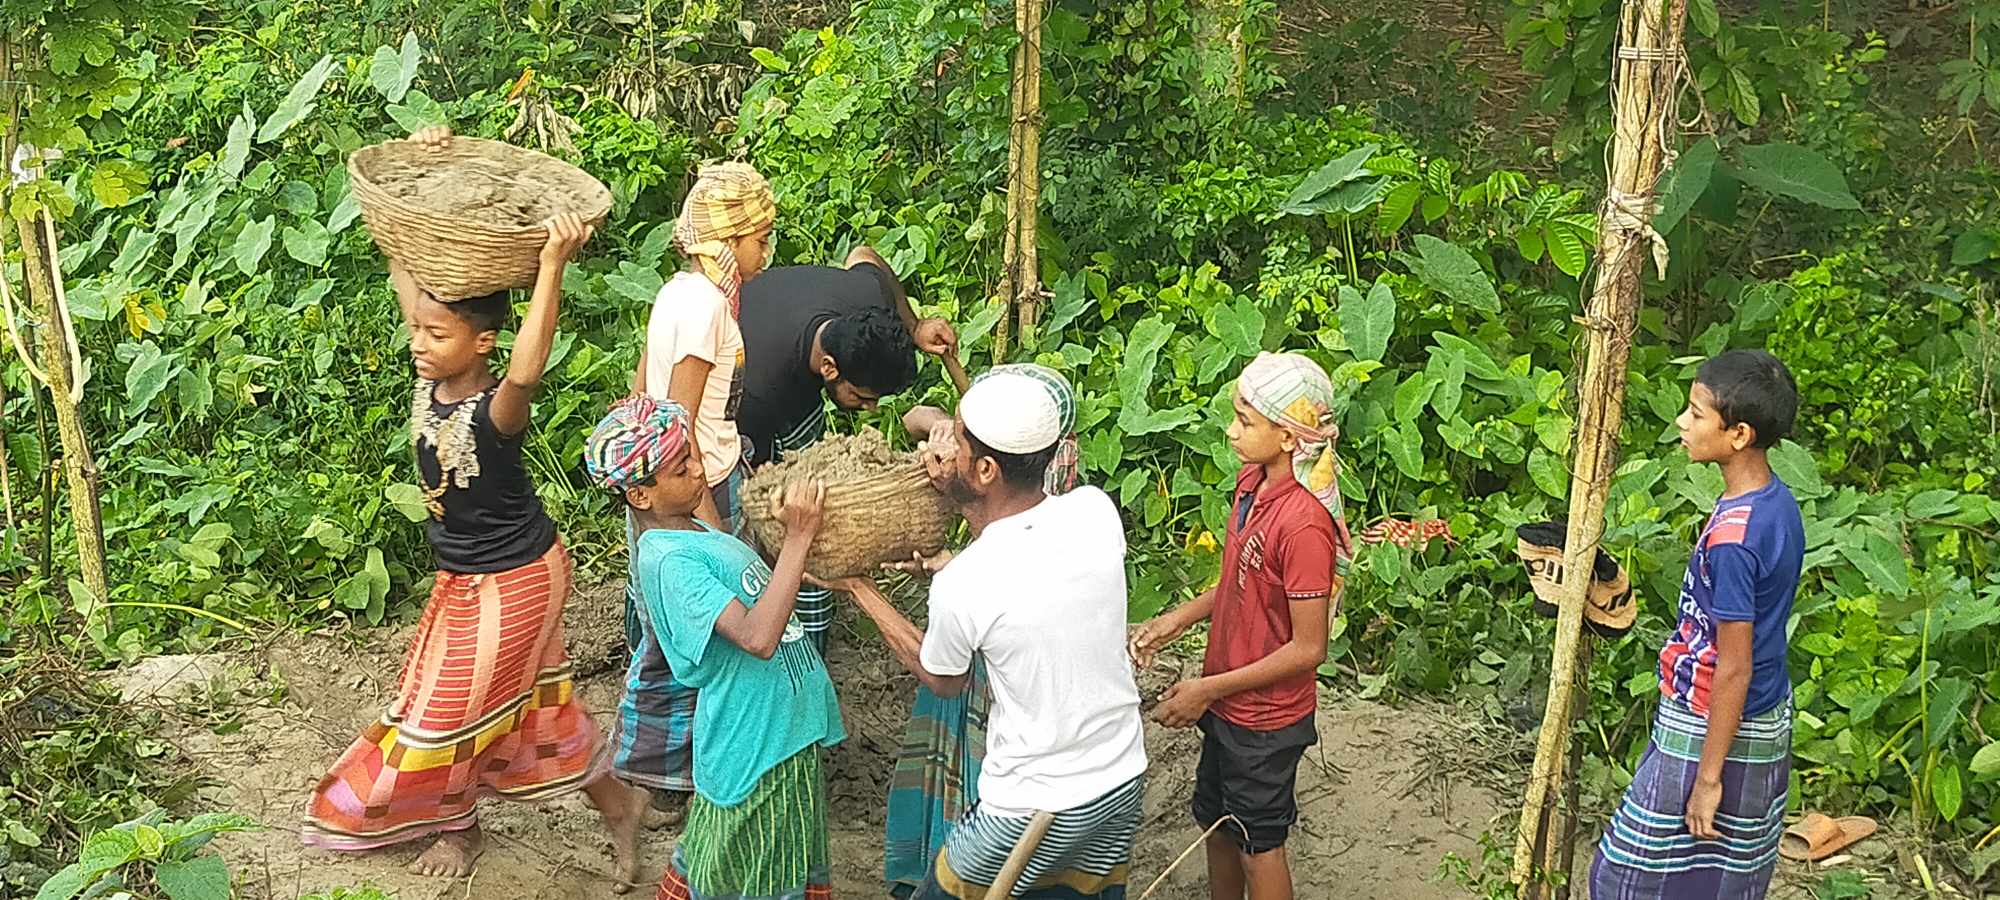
pixel 1027 260
pixel 38 257
pixel 1020 281
pixel 1009 246
pixel 62 365
pixel 1647 75
pixel 6 465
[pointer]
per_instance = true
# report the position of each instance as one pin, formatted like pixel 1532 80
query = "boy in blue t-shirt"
pixel 726 623
pixel 1706 807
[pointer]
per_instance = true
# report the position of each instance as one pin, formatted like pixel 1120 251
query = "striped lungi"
pixel 652 738
pixel 936 778
pixel 815 605
pixel 772 846
pixel 1087 852
pixel 484 708
pixel 1647 852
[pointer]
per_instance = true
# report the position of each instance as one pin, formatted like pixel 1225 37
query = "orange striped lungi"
pixel 485 708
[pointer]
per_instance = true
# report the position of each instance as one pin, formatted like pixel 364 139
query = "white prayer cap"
pixel 1019 408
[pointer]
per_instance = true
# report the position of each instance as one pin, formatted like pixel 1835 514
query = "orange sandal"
pixel 1817 836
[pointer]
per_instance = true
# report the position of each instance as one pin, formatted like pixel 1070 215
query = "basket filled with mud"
pixel 466 219
pixel 880 506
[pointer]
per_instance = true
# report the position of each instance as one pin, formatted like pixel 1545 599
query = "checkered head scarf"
pixel 633 440
pixel 1296 393
pixel 728 200
pixel 1025 408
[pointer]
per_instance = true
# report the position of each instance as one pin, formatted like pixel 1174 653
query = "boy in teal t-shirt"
pixel 755 711
pixel 725 622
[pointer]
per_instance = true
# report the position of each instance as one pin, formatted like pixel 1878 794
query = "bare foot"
pixel 669 808
pixel 623 810
pixel 453 854
pixel 658 817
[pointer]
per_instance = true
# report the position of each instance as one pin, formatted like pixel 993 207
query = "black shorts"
pixel 1251 775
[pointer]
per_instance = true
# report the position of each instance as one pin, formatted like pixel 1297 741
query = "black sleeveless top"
pixel 485 515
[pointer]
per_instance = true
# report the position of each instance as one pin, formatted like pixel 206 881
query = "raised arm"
pixel 407 291
pixel 933 336
pixel 639 371
pixel 435 139
pixel 689 379
pixel 567 233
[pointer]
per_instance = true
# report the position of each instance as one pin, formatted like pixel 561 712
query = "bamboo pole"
pixel 1027 277
pixel 62 362
pixel 6 464
pixel 1566 850
pixel 1647 70
pixel 38 244
pixel 1011 245
pixel 1020 283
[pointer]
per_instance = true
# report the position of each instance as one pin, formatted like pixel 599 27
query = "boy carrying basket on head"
pixel 1706 807
pixel 756 827
pixel 1283 563
pixel 485 706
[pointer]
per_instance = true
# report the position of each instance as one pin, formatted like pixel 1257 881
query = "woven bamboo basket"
pixel 867 522
pixel 452 251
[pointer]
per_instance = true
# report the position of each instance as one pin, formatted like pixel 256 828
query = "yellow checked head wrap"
pixel 728 200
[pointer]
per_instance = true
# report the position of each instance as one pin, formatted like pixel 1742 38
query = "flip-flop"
pixel 1817 836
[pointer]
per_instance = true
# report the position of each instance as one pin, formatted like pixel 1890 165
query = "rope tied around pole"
pixel 1631 215
pixel 1647 54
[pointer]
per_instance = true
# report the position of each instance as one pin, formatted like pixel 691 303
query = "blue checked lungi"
pixel 936 779
pixel 652 740
pixel 1647 852
pixel 1087 852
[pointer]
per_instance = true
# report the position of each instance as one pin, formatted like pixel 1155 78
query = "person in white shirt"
pixel 1039 597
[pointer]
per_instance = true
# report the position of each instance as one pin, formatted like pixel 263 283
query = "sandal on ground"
pixel 1817 836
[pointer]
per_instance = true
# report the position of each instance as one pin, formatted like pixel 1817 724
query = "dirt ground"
pixel 1378 808
pixel 1385 796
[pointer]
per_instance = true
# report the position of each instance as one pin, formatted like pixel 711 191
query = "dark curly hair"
pixel 872 349
pixel 488 312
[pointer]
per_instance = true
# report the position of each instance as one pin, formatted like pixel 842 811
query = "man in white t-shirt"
pixel 1039 595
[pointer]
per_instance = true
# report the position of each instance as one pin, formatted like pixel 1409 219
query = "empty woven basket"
pixel 868 520
pixel 466 219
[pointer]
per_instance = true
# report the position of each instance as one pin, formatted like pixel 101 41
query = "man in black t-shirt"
pixel 812 331
pixel 816 331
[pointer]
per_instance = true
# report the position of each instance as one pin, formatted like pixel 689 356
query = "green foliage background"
pixel 248 389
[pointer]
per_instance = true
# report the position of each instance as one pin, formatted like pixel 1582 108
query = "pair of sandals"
pixel 1610 608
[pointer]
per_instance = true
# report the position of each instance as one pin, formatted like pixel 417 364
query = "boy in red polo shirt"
pixel 1283 564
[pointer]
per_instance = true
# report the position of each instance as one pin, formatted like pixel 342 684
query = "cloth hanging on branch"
pixel 1405 533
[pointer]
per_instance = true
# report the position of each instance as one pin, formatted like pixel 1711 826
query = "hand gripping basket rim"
pixel 456 257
